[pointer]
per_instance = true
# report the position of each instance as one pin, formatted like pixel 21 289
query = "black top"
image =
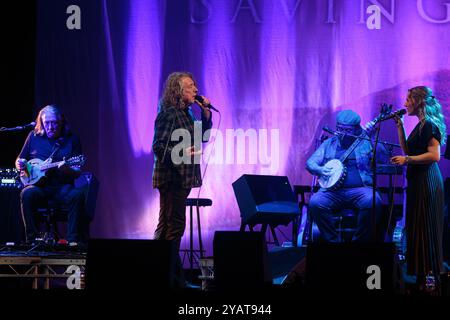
pixel 41 147
pixel 417 143
pixel 419 138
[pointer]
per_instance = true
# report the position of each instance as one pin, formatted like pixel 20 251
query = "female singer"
pixel 425 192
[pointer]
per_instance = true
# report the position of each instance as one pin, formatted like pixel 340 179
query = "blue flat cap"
pixel 348 118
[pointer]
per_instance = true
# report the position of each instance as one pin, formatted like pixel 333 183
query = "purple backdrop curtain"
pixel 282 66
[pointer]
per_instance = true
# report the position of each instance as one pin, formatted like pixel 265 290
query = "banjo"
pixel 338 170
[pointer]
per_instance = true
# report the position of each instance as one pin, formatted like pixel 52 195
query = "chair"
pixel 195 254
pixel 346 222
pixel 53 212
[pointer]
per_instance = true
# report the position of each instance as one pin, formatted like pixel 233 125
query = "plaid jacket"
pixel 164 169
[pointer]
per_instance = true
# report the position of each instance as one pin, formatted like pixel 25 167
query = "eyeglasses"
pixel 346 129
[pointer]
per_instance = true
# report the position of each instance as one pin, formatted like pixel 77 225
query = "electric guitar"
pixel 338 170
pixel 36 168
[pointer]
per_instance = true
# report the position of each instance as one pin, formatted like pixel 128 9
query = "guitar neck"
pixel 383 113
pixel 350 150
pixel 51 165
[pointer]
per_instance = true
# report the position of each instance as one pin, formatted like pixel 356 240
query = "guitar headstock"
pixel 385 111
pixel 76 161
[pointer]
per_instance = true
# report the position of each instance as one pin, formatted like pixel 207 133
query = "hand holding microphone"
pixel 397 116
pixel 204 103
pixel 398 121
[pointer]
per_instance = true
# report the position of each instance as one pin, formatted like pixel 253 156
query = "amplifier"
pixel 11 224
pixel 9 178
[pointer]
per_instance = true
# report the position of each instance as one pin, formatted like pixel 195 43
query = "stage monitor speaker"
pixel 11 224
pixel 283 260
pixel 241 261
pixel 352 269
pixel 265 199
pixel 124 267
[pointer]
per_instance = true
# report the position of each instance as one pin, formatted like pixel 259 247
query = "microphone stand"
pixel 308 229
pixel 373 167
pixel 3 129
pixel 18 128
pixel 374 183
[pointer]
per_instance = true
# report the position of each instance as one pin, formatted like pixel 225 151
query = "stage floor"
pixel 61 267
pixel 42 267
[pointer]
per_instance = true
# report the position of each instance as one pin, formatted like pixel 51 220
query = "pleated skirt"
pixel 424 220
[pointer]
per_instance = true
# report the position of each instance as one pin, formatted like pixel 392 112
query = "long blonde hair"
pixel 173 90
pixel 51 108
pixel 430 107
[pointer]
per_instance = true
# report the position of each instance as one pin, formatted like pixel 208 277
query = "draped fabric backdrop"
pixel 277 70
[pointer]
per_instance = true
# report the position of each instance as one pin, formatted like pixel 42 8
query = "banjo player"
pixel 343 165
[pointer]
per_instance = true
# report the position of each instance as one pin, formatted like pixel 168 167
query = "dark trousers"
pixel 324 204
pixel 67 196
pixel 172 219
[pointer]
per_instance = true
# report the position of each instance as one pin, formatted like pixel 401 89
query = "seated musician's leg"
pixel 74 199
pixel 362 200
pixel 321 206
pixel 30 198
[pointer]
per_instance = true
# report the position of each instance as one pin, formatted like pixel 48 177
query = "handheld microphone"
pixel 399 113
pixel 209 106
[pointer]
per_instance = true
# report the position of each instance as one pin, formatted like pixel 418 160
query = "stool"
pixel 195 202
pixel 345 222
pixel 51 215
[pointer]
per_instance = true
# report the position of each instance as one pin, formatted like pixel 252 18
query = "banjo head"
pixel 336 174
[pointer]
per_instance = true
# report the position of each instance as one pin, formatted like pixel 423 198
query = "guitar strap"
pixel 56 147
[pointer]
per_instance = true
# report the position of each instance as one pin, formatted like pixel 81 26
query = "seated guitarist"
pixel 52 138
pixel 355 192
